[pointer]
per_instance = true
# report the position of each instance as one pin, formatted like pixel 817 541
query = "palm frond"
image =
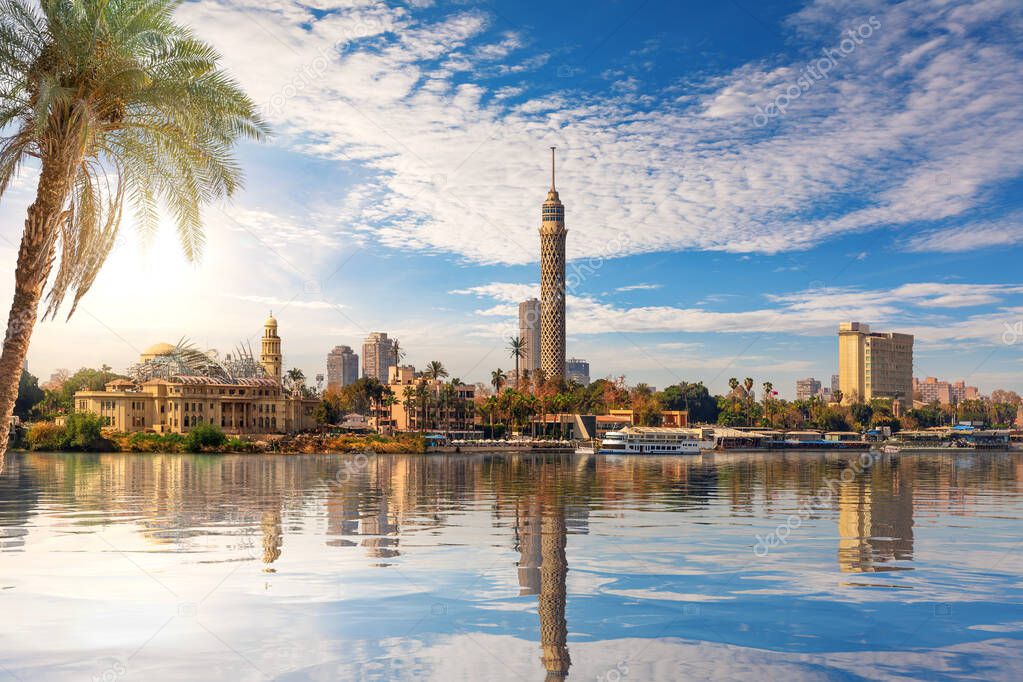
pixel 134 105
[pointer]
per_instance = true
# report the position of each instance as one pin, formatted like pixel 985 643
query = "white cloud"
pixel 1005 232
pixel 910 308
pixel 920 122
pixel 639 287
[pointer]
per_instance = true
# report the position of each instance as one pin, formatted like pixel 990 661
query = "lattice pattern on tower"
pixel 552 283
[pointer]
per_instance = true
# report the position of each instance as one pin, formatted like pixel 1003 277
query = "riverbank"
pixel 302 443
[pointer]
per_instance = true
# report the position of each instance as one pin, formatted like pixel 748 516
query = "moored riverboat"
pixel 639 440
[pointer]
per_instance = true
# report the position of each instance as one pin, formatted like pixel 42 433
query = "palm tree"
pixel 435 370
pixel 423 400
pixel 409 394
pixel 733 384
pixel 294 379
pixel 498 379
pixel 517 349
pixel 768 392
pixel 490 405
pixel 116 101
pixel 399 354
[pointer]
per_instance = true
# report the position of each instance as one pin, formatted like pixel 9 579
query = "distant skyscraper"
pixel 874 365
pixel 577 370
pixel 342 367
pixel 807 388
pixel 552 283
pixel 529 331
pixel 835 383
pixel 377 356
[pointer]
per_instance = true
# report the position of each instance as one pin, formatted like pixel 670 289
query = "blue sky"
pixel 732 191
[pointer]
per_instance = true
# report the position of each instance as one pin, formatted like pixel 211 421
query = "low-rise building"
pixel 195 389
pixel 423 404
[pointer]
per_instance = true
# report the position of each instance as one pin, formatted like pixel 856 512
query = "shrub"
pixel 45 436
pixel 83 431
pixel 205 437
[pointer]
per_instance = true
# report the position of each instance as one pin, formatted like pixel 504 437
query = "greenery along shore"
pixel 506 409
pixel 85 433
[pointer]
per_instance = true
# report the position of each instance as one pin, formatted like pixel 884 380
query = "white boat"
pixel 648 440
pixel 891 449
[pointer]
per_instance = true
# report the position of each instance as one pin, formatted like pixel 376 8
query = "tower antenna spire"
pixel 552 166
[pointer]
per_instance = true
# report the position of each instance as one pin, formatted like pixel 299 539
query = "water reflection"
pixel 875 521
pixel 391 566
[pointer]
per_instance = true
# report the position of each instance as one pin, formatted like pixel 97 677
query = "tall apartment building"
pixel 377 356
pixel 874 365
pixel 835 383
pixel 342 367
pixel 577 370
pixel 807 388
pixel 529 331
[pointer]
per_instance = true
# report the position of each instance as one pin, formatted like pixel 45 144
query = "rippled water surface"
pixel 780 566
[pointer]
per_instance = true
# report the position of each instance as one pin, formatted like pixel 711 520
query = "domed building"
pixel 157 350
pixel 174 388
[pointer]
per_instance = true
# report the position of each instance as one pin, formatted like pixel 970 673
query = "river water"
pixel 730 566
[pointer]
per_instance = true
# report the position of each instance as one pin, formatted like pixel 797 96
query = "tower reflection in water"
pixel 542 535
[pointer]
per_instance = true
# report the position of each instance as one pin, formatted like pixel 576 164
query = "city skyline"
pixel 708 241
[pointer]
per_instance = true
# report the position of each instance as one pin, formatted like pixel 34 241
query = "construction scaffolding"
pixel 187 360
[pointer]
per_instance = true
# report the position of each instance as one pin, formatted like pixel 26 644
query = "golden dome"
pixel 158 349
pixel 270 321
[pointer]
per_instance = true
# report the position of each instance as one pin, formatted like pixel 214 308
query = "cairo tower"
pixel 552 283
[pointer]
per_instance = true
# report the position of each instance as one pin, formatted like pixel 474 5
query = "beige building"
pixel 931 389
pixel 808 388
pixel 874 365
pixel 176 403
pixel 447 407
pixel 529 331
pixel 377 356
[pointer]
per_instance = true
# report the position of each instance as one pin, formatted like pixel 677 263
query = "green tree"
pixel 695 398
pixel 29 395
pixel 205 437
pixel 116 101
pixel 861 413
pixel 82 431
pixel 294 381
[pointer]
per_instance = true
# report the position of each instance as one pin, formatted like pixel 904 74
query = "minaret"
pixel 552 283
pixel 270 358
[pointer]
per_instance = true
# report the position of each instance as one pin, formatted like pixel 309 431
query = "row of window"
pixel 262 392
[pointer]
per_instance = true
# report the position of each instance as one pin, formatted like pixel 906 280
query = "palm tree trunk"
pixel 35 258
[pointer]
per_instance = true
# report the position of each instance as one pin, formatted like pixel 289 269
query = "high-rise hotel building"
pixel 377 356
pixel 342 367
pixel 552 283
pixel 874 365
pixel 529 332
